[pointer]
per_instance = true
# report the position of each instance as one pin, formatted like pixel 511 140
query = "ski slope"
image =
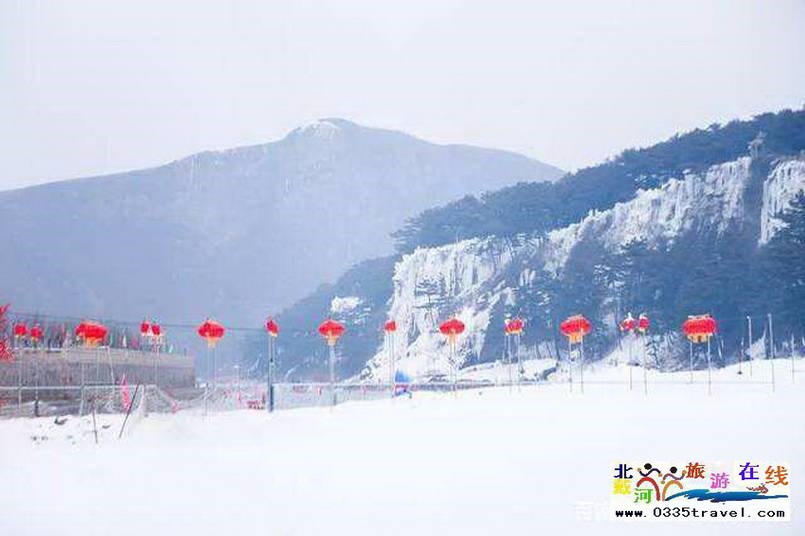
pixel 533 460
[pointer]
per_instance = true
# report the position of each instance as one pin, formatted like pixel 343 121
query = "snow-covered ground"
pixel 537 460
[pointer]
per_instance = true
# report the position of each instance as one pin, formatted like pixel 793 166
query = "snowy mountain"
pixel 235 234
pixel 483 278
pixel 682 243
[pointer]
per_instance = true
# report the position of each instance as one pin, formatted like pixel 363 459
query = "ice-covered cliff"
pixel 473 278
pixel 786 179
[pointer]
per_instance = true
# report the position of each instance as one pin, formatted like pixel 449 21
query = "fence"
pixel 58 400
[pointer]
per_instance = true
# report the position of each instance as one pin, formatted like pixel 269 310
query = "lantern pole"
pixel 19 374
pixel 507 351
pixel 519 365
pixel 269 379
pixel 454 362
pixel 771 351
pixel 214 371
pixel 709 380
pixel 749 347
pixel 390 343
pixel 645 370
pixel 331 344
pixel 507 346
pixel 570 363
pixel 581 362
pixel 690 367
pixel 629 354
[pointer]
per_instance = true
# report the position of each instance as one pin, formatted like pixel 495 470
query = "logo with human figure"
pixel 693 488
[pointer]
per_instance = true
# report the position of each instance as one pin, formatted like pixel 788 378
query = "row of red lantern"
pixel 575 328
pixel 639 325
pixel 150 329
pixel 21 331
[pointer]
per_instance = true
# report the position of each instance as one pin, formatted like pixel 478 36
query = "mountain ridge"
pixel 237 233
pixel 709 219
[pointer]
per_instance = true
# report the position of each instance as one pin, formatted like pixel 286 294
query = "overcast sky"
pixel 91 87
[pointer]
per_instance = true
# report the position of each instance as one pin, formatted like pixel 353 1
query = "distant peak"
pixel 324 129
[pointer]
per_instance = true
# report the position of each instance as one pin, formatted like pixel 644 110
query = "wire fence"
pixel 57 401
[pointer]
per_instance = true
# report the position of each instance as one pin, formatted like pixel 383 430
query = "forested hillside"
pixel 705 222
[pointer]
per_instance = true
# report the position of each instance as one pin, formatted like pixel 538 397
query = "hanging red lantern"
pixel 20 330
pixel 452 328
pixel 642 323
pixel 156 330
pixel 91 333
pixel 331 331
pixel 699 328
pixel 514 326
pixel 575 328
pixel 36 333
pixel 145 329
pixel 628 324
pixel 211 331
pixel 390 326
pixel 272 328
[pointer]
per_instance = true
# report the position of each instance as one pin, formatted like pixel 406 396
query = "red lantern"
pixel 514 326
pixel 452 328
pixel 272 328
pixel 92 333
pixel 145 329
pixel 699 328
pixel 390 326
pixel 642 323
pixel 156 329
pixel 575 328
pixel 211 331
pixel 20 330
pixel 628 324
pixel 36 333
pixel 331 331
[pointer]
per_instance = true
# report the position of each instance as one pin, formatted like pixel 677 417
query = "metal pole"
pixel 749 347
pixel 519 362
pixel 507 346
pixel 690 343
pixel 214 370
pixel 392 340
pixel 581 363
pixel 740 357
pixel 771 351
pixel 332 373
pixel 269 385
pixel 629 363
pixel 709 381
pixel 645 371
pixel 570 363
pixel 94 425
pixel 36 388
pixel 81 403
pixel 455 365
pixel 272 369
pixel 19 391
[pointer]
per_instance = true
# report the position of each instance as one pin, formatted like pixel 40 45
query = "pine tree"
pixel 783 268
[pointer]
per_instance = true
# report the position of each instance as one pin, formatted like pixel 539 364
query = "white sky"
pixel 96 86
